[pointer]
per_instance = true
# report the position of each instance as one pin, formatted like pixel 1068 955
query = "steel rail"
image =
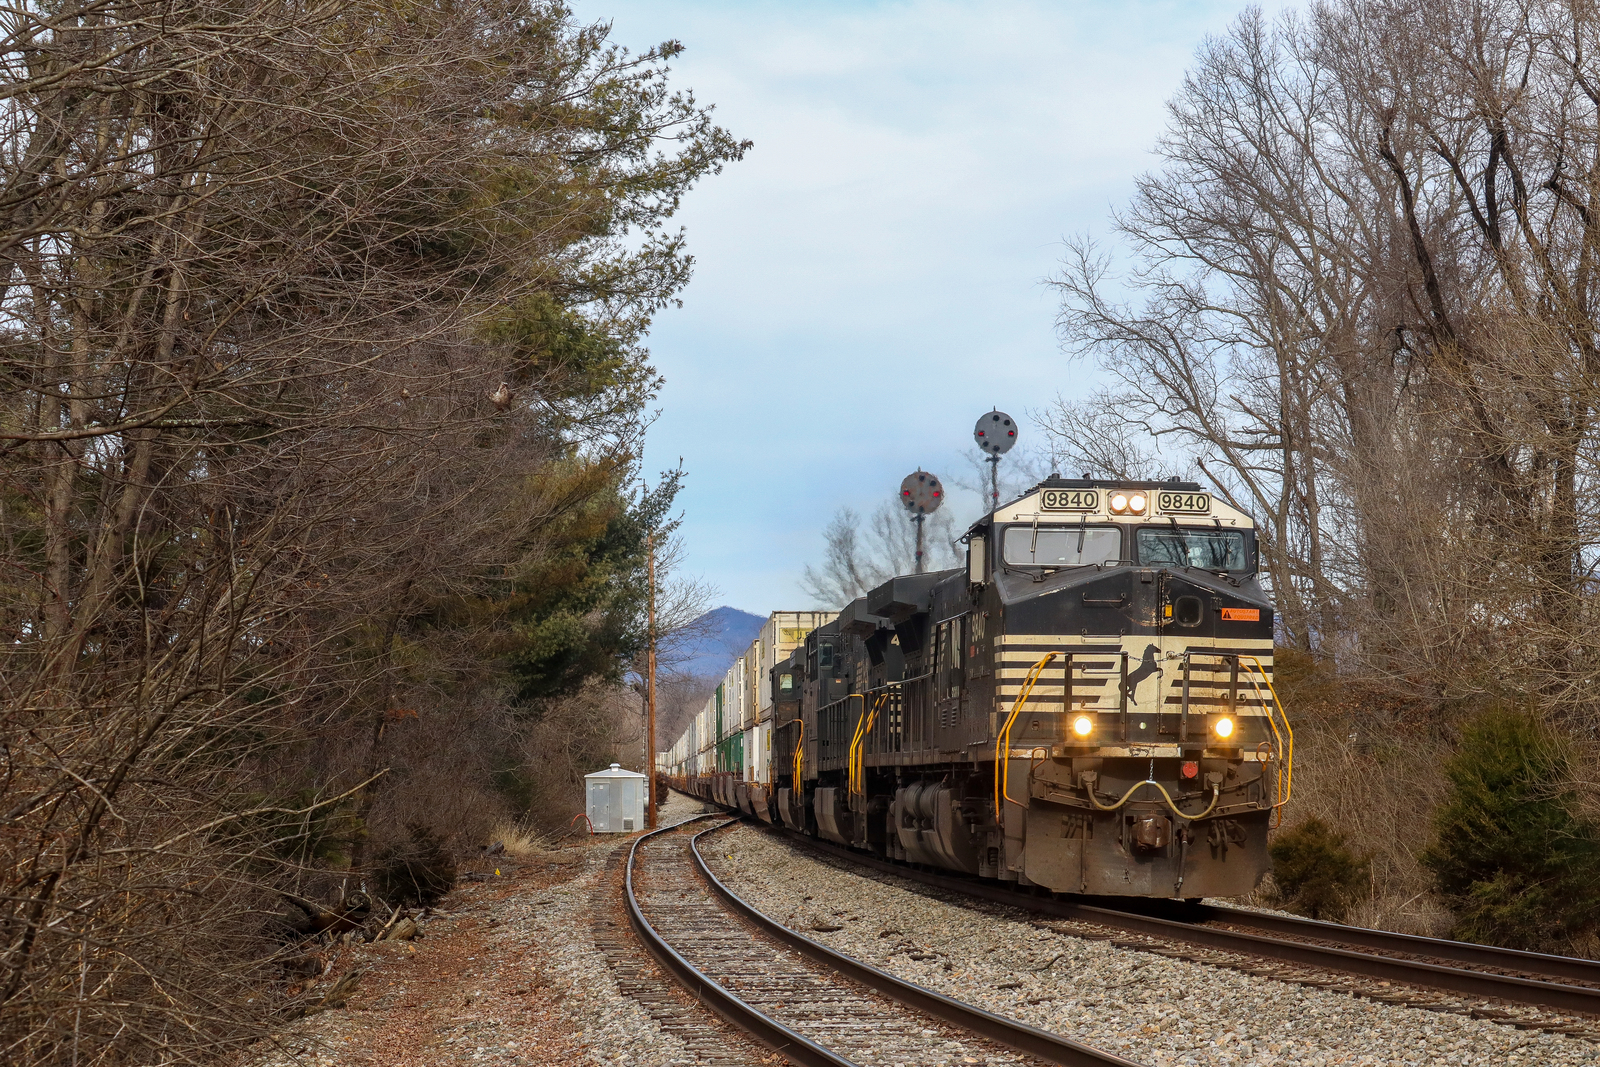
pixel 1569 967
pixel 1020 1036
pixel 794 1047
pixel 1472 983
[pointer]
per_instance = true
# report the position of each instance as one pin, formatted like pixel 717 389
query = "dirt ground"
pixel 476 988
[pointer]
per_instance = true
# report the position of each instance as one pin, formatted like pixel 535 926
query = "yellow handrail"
pixel 1286 776
pixel 1003 764
pixel 799 754
pixel 855 761
pixel 850 753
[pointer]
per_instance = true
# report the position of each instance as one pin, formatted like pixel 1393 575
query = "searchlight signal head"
pixel 995 433
pixel 921 493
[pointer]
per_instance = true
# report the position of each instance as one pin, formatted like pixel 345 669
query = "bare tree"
pixel 1093 437
pixel 310 316
pixel 1364 309
pixel 1020 470
pixel 860 555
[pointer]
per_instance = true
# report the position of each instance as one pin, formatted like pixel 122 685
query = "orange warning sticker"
pixel 1241 614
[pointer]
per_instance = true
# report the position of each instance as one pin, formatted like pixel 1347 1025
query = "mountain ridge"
pixel 727 632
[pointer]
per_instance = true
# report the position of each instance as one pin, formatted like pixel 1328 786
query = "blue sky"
pixel 871 277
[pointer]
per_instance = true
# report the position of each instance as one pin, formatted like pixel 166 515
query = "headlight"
pixel 1083 726
pixel 1119 502
pixel 1224 727
pixel 1136 502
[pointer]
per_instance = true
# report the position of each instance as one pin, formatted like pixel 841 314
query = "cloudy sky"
pixel 871 277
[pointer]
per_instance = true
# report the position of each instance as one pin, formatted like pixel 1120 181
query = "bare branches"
pixel 1367 309
pixel 861 553
pixel 315 322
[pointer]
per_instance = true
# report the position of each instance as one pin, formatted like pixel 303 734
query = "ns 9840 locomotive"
pixel 1087 706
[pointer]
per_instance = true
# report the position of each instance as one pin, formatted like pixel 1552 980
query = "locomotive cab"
pixel 1134 740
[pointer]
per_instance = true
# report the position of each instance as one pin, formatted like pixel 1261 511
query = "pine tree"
pixel 1316 873
pixel 1513 858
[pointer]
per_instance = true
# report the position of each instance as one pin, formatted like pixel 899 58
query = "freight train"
pixel 1086 706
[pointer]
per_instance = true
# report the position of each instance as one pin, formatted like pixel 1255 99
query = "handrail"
pixel 855 738
pixel 775 729
pixel 1003 764
pixel 1287 775
pixel 799 758
pixel 855 759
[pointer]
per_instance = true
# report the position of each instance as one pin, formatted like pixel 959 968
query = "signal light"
pixel 1224 727
pixel 1083 726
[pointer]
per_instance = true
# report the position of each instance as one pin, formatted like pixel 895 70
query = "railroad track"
pixel 814 1006
pixel 1554 983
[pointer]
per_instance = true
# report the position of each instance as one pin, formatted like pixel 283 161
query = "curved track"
pixel 1566 970
pixel 787 991
pixel 1550 982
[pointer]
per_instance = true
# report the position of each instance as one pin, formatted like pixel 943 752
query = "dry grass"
pixel 1421 914
pixel 522 841
pixel 1370 764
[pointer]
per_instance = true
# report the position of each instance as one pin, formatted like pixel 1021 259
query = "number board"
pixel 1172 502
pixel 1070 499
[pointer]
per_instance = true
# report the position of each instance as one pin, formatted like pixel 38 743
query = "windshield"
pixel 1187 546
pixel 1058 546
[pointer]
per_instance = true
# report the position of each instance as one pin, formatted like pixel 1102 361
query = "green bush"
pixel 1316 874
pixel 1513 858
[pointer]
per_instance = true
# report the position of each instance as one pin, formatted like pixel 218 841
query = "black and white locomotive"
pixel 1087 706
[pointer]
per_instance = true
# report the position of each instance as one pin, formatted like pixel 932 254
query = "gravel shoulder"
pixel 507 972
pixel 1154 1010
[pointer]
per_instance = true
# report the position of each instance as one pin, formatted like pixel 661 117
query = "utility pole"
pixel 650 685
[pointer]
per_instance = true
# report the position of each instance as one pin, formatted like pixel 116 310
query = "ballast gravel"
pixel 1157 1011
pixel 612 1028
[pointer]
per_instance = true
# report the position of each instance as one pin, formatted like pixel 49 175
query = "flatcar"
pixel 1086 706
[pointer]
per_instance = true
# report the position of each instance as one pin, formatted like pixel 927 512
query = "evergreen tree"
pixel 1512 856
pixel 1316 873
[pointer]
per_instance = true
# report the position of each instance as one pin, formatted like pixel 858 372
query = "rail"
pixel 1477 983
pixel 795 1047
pixel 1565 967
pixel 1053 1048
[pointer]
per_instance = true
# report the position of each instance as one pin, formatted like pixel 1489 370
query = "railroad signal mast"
pixel 995 433
pixel 921 494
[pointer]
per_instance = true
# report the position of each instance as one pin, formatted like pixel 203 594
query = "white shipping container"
pixel 752 682
pixel 756 740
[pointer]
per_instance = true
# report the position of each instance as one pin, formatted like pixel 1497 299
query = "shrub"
pixel 419 871
pixel 1513 858
pixel 1315 873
